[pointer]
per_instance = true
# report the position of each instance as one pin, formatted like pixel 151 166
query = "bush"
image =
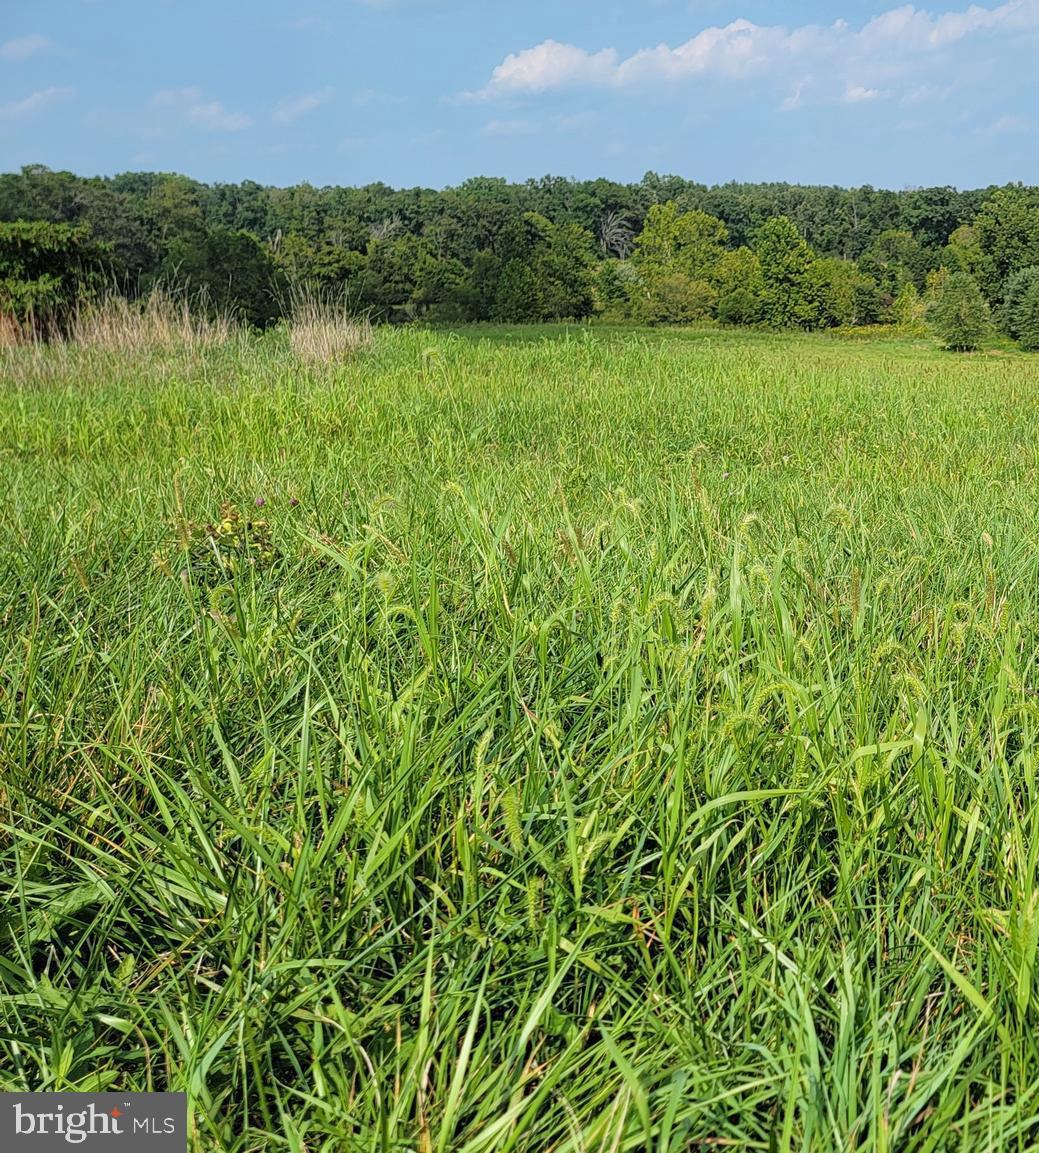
pixel 909 311
pixel 674 298
pixel 612 290
pixel 960 315
pixel 740 307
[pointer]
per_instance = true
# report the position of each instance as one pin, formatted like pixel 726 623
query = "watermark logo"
pixel 93 1122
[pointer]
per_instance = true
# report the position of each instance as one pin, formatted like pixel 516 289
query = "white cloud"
pixel 894 45
pixel 914 28
pixel 209 115
pixel 734 51
pixel 18 109
pixel 214 117
pixel 551 65
pixel 857 94
pixel 24 47
pixel 290 109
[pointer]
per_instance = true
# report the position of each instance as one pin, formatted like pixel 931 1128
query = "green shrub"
pixel 674 298
pixel 909 310
pixel 611 290
pixel 960 315
pixel 740 306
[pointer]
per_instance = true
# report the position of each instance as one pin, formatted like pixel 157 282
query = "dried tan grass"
pixel 13 334
pixel 322 330
pixel 161 320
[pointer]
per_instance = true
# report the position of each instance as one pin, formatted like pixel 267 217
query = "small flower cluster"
pixel 233 544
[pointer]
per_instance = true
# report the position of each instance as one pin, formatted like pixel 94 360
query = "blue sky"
pixel 433 91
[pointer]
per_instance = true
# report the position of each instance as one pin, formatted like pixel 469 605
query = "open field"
pixel 618 741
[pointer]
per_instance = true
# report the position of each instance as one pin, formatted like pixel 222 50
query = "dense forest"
pixel 665 250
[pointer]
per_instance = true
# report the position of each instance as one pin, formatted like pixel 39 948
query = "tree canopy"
pixel 663 250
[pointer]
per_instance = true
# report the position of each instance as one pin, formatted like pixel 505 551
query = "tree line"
pixel 664 250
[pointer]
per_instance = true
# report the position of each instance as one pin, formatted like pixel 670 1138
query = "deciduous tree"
pixel 786 262
pixel 960 314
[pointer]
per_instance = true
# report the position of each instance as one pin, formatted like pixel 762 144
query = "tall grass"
pixel 322 329
pixel 160 320
pixel 162 332
pixel 571 744
pixel 12 334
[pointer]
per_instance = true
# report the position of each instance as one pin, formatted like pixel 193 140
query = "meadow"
pixel 526 740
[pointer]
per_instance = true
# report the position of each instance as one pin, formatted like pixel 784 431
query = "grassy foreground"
pixel 619 742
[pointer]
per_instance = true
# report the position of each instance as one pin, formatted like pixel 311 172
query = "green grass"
pixel 627 742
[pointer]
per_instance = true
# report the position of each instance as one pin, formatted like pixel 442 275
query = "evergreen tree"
pixel 1015 315
pixel 1028 319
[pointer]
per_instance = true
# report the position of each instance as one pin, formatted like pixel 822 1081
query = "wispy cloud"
pixel 928 93
pixel 1013 125
pixel 509 128
pixel 35 102
pixel 290 109
pixel 858 94
pixel 576 122
pixel 796 98
pixel 24 47
pixel 850 64
pixel 209 115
